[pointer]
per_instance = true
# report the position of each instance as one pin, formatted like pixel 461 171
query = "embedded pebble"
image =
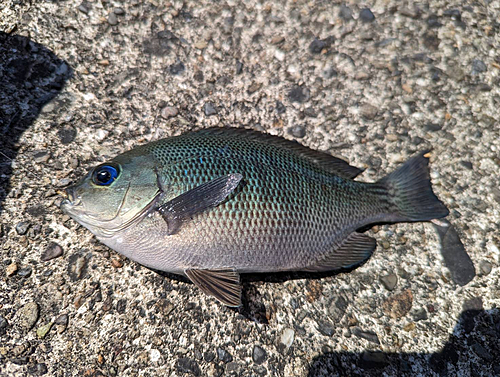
pixel 41 156
pixel 298 131
pixel 28 315
pixel 287 337
pixel 11 269
pixel 42 331
pixel 366 15
pixel 52 251
pixel 187 365
pixel 223 355
pixel 299 94
pixel 112 19
pixel 169 112
pixel 398 305
pixel 368 335
pixel 485 267
pixel 22 227
pixel 258 355
pixel 209 109
pixel 61 323
pixel 389 281
pixel 24 272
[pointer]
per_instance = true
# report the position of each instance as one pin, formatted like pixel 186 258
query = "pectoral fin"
pixel 354 250
pixel 224 285
pixel 197 200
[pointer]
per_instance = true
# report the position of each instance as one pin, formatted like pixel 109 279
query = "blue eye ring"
pixel 104 175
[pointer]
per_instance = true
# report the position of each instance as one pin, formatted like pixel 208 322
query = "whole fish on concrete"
pixel 218 202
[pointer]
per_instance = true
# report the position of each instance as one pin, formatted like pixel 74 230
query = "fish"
pixel 219 202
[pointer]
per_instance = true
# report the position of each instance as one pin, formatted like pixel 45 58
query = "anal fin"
pixel 223 284
pixel 355 249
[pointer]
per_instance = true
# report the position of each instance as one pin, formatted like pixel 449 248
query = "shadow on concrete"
pixel 473 349
pixel 30 77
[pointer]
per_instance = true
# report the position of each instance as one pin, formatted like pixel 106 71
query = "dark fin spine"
pixel 410 191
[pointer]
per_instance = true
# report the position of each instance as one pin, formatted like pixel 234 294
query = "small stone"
pixel 61 323
pixel 255 86
pixel 299 94
pixel 41 156
pixel 121 305
pixel 398 305
pixel 277 39
pixel 209 356
pixel 176 69
pixel 119 11
pixel 24 272
pixel 366 15
pixel 83 8
pixel 239 67
pixel 287 337
pixel 420 315
pixel 368 111
pixel 478 66
pixel 389 281
pixel 345 12
pixel 103 62
pixel 362 75
pixel 200 45
pixel 117 262
pixel 258 355
pixel 326 328
pixel 3 325
pixel 280 108
pixel 66 135
pixel 52 251
pixel 186 365
pixel 411 13
pixel 337 308
pixel 77 266
pixel 41 369
pixel 19 349
pixel 232 367
pixel 368 335
pixel 112 19
pixel 209 109
pixel 317 45
pixel 43 330
pixel 22 227
pixel 11 269
pixel 409 327
pixel 28 315
pixel 223 355
pixel 298 131
pixel 485 267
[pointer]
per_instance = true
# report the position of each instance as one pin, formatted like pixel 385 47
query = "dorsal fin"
pixel 326 161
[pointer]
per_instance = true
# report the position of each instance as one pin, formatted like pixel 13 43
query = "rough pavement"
pixel 82 81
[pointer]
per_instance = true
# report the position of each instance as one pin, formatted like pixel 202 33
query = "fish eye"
pixel 105 175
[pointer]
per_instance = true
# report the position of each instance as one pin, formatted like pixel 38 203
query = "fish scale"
pixel 217 202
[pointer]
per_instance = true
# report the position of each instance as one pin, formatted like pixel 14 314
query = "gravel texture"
pixel 370 82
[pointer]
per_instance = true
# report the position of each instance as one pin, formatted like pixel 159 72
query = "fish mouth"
pixel 70 200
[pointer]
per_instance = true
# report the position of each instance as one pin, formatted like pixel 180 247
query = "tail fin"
pixel 410 190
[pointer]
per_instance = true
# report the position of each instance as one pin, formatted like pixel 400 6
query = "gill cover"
pixel 115 194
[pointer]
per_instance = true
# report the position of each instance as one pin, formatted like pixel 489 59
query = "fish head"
pixel 114 195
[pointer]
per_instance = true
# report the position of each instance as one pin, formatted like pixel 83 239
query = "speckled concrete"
pixel 83 81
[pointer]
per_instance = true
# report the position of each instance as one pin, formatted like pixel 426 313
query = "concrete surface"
pixel 82 81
